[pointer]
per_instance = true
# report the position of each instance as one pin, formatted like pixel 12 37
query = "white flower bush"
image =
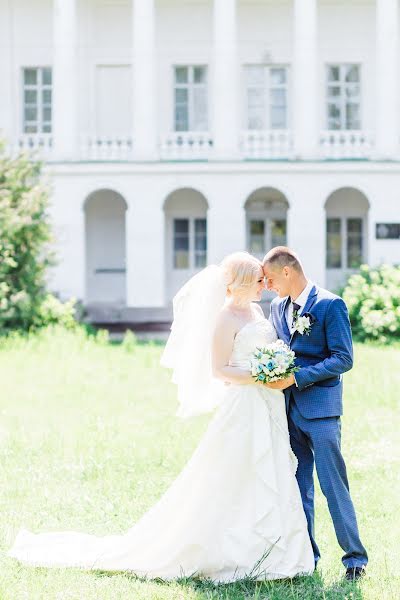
pixel 373 299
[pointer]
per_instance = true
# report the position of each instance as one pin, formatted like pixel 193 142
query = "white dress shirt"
pixel 301 301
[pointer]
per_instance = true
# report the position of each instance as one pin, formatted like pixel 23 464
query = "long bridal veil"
pixel 188 350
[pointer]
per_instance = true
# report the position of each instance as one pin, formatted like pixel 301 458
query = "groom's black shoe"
pixel 354 573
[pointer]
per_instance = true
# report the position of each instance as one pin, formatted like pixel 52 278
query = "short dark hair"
pixel 282 256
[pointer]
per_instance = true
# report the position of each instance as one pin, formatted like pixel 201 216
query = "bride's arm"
pixel 221 352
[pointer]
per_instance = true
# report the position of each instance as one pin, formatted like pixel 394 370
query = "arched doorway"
pixel 266 220
pixel 105 248
pixel 186 237
pixel 346 235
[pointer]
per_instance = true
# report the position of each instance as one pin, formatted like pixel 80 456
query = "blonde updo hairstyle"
pixel 241 271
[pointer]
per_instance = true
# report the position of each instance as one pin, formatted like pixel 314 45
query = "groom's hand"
pixel 282 384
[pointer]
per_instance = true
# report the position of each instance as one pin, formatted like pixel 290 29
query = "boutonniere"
pixel 304 323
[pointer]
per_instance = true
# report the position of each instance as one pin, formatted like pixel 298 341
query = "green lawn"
pixel 89 441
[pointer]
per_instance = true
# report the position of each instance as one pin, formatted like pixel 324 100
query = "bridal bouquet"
pixel 273 362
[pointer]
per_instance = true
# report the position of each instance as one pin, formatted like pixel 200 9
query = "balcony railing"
pixel 266 144
pixel 346 144
pixel 194 145
pixel 186 145
pixel 38 144
pixel 107 148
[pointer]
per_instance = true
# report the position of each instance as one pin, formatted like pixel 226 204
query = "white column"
pixel 225 81
pixel 306 225
pixel 65 77
pixel 145 252
pixel 144 80
pixel 226 221
pixel 387 76
pixel 305 100
pixel 67 214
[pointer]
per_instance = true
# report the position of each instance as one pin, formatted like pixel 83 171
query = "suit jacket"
pixel 323 355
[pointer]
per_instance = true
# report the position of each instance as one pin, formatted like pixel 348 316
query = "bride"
pixel 235 509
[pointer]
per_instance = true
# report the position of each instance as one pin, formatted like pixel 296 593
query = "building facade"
pixel 177 131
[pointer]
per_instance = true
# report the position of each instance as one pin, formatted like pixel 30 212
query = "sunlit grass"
pixel 89 440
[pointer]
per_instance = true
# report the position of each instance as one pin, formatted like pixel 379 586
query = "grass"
pixel 89 441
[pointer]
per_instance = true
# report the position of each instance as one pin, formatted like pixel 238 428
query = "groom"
pixel 315 323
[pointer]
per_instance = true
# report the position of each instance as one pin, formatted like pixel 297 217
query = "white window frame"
pixel 344 242
pixel 342 99
pixel 192 242
pixel 267 87
pixel 39 87
pixel 190 86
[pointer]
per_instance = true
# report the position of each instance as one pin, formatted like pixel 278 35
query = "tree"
pixel 25 251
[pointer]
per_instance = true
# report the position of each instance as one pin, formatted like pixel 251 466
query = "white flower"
pixel 302 325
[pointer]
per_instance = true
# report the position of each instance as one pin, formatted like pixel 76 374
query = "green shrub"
pixel 25 255
pixel 54 312
pixel 373 299
pixel 129 343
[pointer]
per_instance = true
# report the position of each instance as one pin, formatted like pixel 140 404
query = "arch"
pixel 349 200
pixel 182 198
pixel 266 220
pixel 346 210
pixel 185 212
pixel 105 211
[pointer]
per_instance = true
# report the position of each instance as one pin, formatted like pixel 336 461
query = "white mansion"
pixel 177 131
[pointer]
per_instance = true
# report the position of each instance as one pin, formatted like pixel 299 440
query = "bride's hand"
pixel 282 384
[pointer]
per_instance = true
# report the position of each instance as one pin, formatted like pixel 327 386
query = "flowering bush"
pixel 25 255
pixel 53 312
pixel 373 299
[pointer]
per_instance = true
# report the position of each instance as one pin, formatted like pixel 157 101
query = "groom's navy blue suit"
pixel 314 407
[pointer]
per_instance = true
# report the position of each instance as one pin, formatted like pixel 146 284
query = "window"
pixel 343 97
pixel 354 243
pixel 37 97
pixel 190 98
pixel 181 243
pixel 200 243
pixel 257 237
pixel 333 244
pixel 265 234
pixel 189 243
pixel 344 243
pixel 266 97
pixel 278 232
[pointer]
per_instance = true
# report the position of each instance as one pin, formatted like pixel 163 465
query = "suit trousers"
pixel 318 441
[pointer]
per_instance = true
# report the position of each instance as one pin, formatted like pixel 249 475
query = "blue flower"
pixel 271 365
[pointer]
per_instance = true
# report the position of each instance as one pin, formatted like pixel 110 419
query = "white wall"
pixel 346 33
pixel 25 40
pixel 225 189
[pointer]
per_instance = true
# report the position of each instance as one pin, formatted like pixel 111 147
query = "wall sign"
pixel 388 231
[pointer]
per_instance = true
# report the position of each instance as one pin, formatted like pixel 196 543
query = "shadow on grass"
pixel 299 588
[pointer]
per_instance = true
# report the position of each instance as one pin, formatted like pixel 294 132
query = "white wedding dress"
pixel 235 502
